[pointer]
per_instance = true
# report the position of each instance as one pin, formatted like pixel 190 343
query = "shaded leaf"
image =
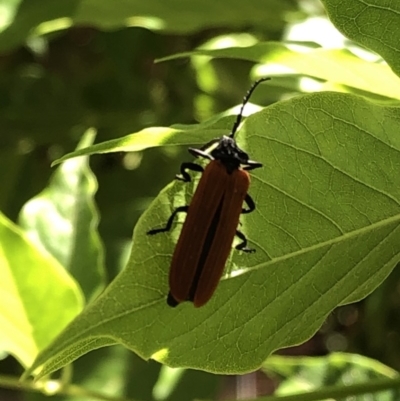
pixel 63 219
pixel 175 16
pixel 339 369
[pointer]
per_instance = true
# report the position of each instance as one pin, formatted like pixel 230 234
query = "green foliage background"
pixel 326 226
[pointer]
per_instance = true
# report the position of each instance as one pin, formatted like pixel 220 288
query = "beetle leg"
pixel 200 153
pixel 250 203
pixel 188 166
pixel 243 245
pixel 251 165
pixel 181 209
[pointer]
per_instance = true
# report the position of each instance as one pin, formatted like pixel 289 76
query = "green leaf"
pixel 338 371
pixel 159 136
pixel 38 298
pixel 326 230
pixel 373 23
pixel 176 16
pixel 63 219
pixel 336 66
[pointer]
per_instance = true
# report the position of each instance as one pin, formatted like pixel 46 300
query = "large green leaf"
pixel 63 219
pixel 373 23
pixel 326 230
pixel 37 297
pixel 42 16
pixel 336 66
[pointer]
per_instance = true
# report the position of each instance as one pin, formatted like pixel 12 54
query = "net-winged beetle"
pixel 212 217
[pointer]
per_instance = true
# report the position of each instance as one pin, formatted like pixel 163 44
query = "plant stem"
pixel 338 392
pixel 12 382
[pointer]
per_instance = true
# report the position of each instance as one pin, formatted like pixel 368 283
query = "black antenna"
pixel 245 100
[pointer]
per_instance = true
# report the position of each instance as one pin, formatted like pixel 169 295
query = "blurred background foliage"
pixel 69 65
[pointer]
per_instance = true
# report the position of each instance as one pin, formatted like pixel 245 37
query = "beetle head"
pixel 229 153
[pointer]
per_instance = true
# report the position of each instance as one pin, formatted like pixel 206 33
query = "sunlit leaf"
pixel 336 66
pixel 37 297
pixel 326 230
pixel 373 23
pixel 159 136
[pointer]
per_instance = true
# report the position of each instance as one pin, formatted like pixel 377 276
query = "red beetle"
pixel 212 217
